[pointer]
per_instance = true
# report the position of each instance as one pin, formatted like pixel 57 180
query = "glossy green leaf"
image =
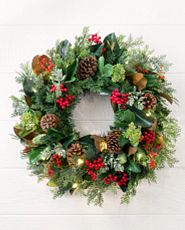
pixel 101 62
pixel 28 86
pixel 123 141
pixel 91 150
pixel 34 155
pixel 141 119
pixel 151 80
pixel 133 167
pixel 71 70
pixel 113 50
pixel 97 49
pixel 108 69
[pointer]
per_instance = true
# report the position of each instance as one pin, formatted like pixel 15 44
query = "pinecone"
pixel 87 67
pixel 113 141
pixel 149 101
pixel 74 153
pixel 49 121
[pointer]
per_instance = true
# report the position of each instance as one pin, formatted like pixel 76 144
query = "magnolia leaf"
pixel 152 80
pixel 132 150
pixel 124 116
pixel 141 119
pixel 28 86
pixel 133 167
pixel 28 100
pixel 91 150
pixel 35 155
pixel 71 70
pixel 113 50
pixel 123 188
pixel 97 49
pixel 69 140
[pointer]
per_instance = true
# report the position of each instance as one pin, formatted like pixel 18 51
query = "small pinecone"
pixel 113 141
pixel 74 152
pixel 149 101
pixel 87 68
pixel 49 121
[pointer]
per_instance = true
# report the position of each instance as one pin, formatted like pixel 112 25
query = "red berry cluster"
pixel 162 77
pixel 110 178
pixel 53 88
pixel 94 166
pixel 50 171
pixel 123 180
pixel 148 137
pixel 46 64
pixel 65 101
pixel 63 89
pixel 119 98
pixel 141 70
pixel 95 38
pixel 120 181
pixel 56 160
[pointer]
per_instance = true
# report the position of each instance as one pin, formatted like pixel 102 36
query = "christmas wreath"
pixel 141 139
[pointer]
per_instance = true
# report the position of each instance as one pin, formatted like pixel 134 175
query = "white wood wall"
pixel 30 27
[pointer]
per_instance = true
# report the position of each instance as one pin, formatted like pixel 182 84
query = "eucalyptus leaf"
pixel 63 48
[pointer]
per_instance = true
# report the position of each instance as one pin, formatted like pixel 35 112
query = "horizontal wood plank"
pixel 98 12
pixel 32 40
pixel 98 222
pixel 20 194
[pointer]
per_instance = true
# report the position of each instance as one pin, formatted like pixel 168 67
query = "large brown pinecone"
pixel 87 67
pixel 149 101
pixel 75 152
pixel 49 121
pixel 113 141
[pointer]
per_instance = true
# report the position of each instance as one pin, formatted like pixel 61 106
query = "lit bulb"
pixel 75 185
pixel 34 90
pixel 80 162
pixel 148 114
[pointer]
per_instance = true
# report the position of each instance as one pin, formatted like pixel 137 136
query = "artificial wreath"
pixel 141 139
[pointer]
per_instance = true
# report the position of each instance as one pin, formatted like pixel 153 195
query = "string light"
pixel 148 114
pixel 80 161
pixel 75 186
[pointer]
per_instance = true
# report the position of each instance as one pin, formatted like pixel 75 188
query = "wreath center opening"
pixel 93 114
